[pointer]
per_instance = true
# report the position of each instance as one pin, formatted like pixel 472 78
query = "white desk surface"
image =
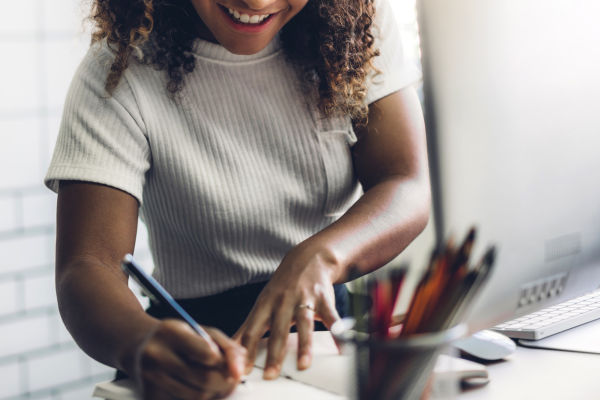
pixel 527 374
pixel 530 374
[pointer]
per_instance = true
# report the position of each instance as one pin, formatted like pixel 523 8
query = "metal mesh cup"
pixel 393 369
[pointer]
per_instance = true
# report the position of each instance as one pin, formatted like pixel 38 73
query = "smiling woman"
pixel 245 148
pixel 330 41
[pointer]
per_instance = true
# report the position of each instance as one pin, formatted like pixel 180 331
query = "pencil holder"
pixel 396 369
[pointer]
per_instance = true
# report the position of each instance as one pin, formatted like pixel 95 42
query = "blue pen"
pixel 159 295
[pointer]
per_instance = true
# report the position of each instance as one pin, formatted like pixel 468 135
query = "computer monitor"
pixel 512 104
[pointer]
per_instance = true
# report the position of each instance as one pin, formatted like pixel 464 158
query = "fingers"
pixel 186 342
pixel 276 347
pixel 257 324
pixel 176 363
pixel 327 312
pixel 177 381
pixel 305 325
pixel 235 354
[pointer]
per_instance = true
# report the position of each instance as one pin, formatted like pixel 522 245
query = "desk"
pixel 531 374
pixel 527 374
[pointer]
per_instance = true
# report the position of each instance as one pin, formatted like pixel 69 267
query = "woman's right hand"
pixel 174 362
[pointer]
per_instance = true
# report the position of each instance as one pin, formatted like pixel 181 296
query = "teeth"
pixel 247 19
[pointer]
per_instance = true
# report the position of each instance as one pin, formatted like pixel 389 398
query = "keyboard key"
pixel 572 314
pixel 534 326
pixel 518 320
pixel 534 320
pixel 517 326
pixel 563 317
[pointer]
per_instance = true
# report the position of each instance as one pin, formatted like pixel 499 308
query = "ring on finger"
pixel 307 306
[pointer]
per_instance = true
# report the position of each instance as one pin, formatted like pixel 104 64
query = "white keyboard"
pixel 555 319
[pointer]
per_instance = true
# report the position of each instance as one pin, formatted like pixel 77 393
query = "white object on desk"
pixel 120 390
pixel 582 339
pixel 257 388
pixel 487 345
pixel 541 374
pixel 329 370
pixel 552 320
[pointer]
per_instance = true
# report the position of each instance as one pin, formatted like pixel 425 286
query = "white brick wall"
pixel 23 335
pixel 8 212
pixel 24 252
pixel 39 209
pixel 39 291
pixel 20 162
pixel 8 297
pixel 9 380
pixel 56 369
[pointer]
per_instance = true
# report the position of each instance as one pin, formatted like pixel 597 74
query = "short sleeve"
pixel 397 72
pixel 101 138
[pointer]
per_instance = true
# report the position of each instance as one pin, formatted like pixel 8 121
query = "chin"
pixel 244 47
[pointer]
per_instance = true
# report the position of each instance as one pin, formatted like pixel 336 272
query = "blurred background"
pixel 42 43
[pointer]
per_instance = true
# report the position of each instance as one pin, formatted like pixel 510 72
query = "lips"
pixel 246 23
pixel 247 18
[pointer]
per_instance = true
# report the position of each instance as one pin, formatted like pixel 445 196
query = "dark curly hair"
pixel 329 41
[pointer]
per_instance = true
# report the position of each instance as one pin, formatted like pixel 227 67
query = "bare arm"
pixel 96 227
pixel 92 237
pixel 390 159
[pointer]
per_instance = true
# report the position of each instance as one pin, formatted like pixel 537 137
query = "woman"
pixel 241 131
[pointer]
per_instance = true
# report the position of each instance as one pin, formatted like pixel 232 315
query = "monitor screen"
pixel 512 104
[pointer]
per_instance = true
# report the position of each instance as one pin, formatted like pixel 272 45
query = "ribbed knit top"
pixel 235 176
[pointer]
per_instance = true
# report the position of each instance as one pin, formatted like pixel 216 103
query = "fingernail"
pixel 270 373
pixel 249 369
pixel 304 362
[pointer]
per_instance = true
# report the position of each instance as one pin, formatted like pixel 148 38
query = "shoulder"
pixel 393 70
pixel 384 22
pixel 96 64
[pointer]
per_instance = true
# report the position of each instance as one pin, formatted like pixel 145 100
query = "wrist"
pixel 331 263
pixel 127 357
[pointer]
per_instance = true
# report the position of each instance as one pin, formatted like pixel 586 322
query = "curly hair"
pixel 329 41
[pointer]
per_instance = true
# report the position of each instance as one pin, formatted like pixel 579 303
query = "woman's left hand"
pixel 299 292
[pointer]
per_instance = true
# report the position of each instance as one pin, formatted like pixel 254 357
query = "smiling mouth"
pixel 246 19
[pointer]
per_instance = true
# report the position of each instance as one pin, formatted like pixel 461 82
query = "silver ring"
pixel 307 306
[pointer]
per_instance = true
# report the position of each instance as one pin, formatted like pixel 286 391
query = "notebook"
pixel 254 388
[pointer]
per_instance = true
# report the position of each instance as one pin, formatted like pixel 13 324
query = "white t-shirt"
pixel 233 179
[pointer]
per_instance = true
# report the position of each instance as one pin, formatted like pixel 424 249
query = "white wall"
pixel 41 45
